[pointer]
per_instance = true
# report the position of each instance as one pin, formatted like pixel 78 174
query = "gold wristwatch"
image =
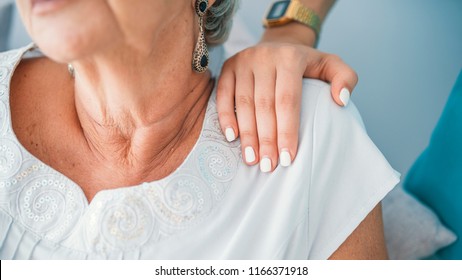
pixel 283 12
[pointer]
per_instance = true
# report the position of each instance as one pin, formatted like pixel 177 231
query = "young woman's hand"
pixel 259 95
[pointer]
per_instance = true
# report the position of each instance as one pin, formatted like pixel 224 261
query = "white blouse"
pixel 212 207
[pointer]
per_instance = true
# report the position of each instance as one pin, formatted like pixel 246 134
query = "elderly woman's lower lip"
pixel 45 6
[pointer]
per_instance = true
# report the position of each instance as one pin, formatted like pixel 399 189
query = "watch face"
pixel 278 9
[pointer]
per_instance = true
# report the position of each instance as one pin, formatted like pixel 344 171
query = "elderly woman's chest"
pixel 53 208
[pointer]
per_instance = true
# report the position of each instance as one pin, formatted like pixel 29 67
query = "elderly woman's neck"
pixel 138 112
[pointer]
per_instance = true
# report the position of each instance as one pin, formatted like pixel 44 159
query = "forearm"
pixel 298 33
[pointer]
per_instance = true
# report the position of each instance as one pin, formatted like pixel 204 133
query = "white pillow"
pixel 412 230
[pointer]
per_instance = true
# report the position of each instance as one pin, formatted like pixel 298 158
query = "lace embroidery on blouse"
pixel 119 220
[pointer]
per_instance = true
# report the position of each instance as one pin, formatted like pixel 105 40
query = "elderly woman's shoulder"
pixel 324 122
pixel 29 71
pixel 315 91
pixel 39 75
pixel 317 100
pixel 38 83
pixel 39 91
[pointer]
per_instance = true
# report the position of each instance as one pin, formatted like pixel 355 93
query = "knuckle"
pixel 266 141
pixel 258 54
pixel 287 101
pixel 292 53
pixel 228 64
pixel 334 58
pixel 287 135
pixel 249 53
pixel 264 104
pixel 331 60
pixel 248 135
pixel 262 57
pixel 225 116
pixel 290 56
pixel 244 101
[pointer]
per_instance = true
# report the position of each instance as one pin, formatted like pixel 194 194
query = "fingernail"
pixel 285 158
pixel 345 96
pixel 265 164
pixel 249 154
pixel 229 133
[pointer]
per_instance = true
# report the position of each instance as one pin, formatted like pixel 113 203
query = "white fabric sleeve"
pixel 350 176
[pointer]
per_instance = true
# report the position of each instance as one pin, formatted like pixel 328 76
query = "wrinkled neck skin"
pixel 139 104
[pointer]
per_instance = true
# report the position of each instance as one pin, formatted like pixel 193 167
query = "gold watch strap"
pixel 298 12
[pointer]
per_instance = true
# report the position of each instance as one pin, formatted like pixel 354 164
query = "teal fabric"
pixel 436 176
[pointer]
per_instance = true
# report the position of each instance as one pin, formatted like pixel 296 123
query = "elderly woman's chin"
pixel 69 46
pixel 66 30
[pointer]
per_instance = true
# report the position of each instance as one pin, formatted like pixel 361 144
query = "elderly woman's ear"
pixel 209 3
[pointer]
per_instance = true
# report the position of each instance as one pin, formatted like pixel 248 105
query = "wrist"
pixel 320 7
pixel 296 21
pixel 292 32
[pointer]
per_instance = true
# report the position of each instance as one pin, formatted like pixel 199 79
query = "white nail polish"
pixel 265 165
pixel 229 133
pixel 285 158
pixel 249 154
pixel 345 96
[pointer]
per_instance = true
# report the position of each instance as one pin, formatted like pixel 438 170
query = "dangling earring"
pixel 201 54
